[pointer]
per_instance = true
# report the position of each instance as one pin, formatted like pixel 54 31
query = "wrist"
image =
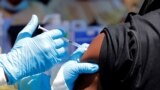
pixel 8 68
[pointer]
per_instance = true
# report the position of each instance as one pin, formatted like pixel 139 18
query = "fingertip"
pixel 81 49
pixel 60 43
pixel 94 67
pixel 88 68
pixel 63 32
pixel 56 33
pixel 85 45
pixel 61 52
pixel 34 20
pixel 34 15
pixel 32 25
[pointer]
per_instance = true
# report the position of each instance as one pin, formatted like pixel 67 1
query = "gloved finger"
pixel 82 48
pixel 63 56
pixel 60 43
pixel 56 33
pixel 61 51
pixel 29 28
pixel 76 56
pixel 79 52
pixel 86 68
pixel 84 45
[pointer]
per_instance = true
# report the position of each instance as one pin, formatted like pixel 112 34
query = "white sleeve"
pixel 2 77
pixel 57 79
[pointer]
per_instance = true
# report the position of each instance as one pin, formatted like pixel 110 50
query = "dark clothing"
pixel 130 54
pixel 149 5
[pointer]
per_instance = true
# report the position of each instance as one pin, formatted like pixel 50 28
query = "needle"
pixel 71 42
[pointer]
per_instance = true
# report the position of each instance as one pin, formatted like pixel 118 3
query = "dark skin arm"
pixel 90 81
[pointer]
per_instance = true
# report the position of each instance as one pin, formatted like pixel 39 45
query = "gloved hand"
pixel 31 55
pixel 35 82
pixel 70 70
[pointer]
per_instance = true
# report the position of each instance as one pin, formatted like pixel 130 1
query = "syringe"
pixel 66 39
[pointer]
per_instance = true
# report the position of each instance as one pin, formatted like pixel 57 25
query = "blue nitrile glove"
pixel 70 70
pixel 42 81
pixel 31 55
pixel 35 82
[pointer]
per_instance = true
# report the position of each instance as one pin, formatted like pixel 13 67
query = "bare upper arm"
pixel 90 81
pixel 93 50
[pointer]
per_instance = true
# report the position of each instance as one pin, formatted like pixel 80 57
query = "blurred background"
pixel 82 20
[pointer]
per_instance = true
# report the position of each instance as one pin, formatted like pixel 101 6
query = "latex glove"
pixel 70 70
pixel 35 82
pixel 33 55
pixel 42 81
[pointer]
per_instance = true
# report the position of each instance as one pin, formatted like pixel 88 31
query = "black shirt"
pixel 130 54
pixel 149 5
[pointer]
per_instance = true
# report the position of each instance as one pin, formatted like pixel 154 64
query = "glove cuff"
pixel 4 63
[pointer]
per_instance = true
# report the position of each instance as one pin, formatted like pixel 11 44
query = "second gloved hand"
pixel 31 55
pixel 71 69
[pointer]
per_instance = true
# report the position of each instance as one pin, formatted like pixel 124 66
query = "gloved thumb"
pixel 75 69
pixel 29 28
pixel 79 52
pixel 87 68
